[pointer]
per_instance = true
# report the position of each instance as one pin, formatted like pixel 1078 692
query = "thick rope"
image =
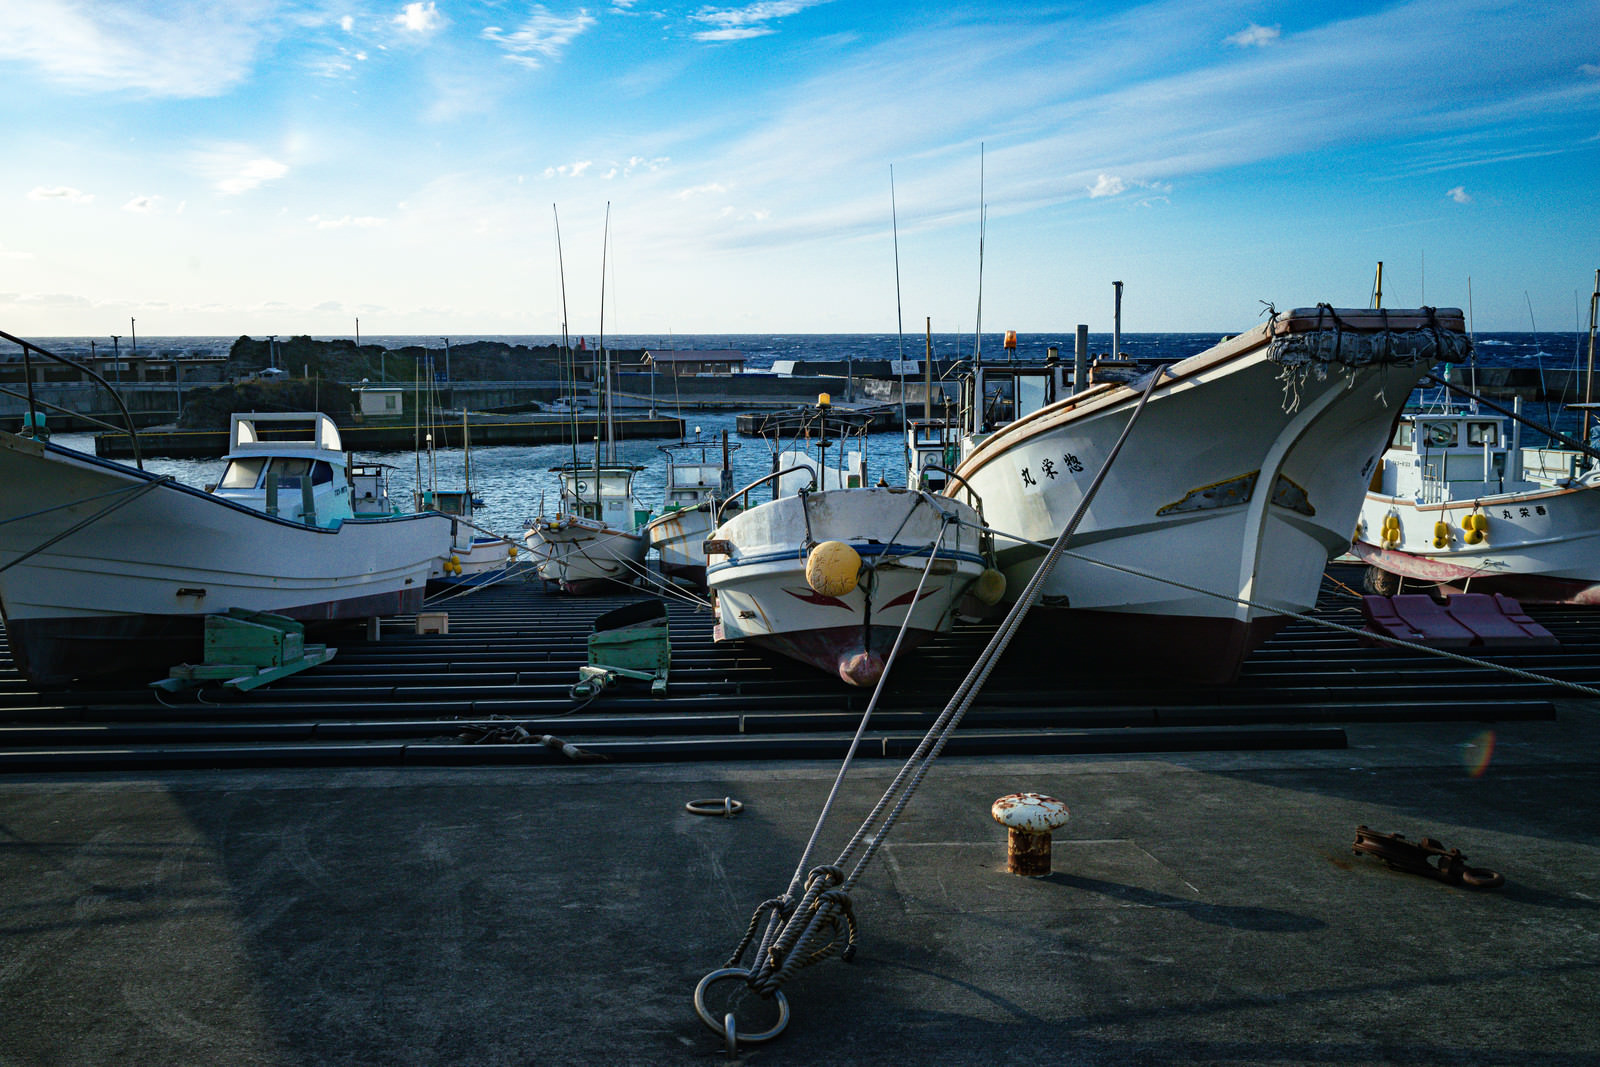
pixel 785 950
pixel 1329 624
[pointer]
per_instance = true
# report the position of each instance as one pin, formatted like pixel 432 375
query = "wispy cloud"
pixel 235 169
pixel 63 193
pixel 1107 185
pixel 1459 195
pixel 710 188
pixel 420 17
pixel 742 23
pixel 569 170
pixel 142 205
pixel 1253 36
pixel 541 36
pixel 365 222
pixel 112 45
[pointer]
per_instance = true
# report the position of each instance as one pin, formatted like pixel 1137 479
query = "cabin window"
pixel 242 473
pixel 1442 435
pixel 1483 433
pixel 321 473
pixel 1404 435
pixel 290 471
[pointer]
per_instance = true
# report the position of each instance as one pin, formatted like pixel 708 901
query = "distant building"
pixel 379 401
pixel 692 363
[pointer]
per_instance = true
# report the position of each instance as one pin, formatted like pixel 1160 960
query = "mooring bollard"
pixel 1029 819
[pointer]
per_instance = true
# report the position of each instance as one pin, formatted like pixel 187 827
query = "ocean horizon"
pixel 1550 349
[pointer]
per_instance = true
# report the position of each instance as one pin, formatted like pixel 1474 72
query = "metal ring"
pixel 717 1027
pixel 727 807
pixel 731 1030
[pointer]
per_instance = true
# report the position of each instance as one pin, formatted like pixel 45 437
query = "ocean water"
pixel 515 481
pixel 1552 351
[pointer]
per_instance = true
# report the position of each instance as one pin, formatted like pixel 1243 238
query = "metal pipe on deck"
pixel 1080 360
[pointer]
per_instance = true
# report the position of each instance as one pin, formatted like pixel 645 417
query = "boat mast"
pixel 1588 378
pixel 611 438
pixel 899 320
pixel 568 364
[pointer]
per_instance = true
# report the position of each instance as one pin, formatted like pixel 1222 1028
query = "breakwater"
pixel 395 437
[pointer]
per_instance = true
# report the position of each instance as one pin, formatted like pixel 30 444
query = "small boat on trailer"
pixel 106 569
pixel 1242 478
pixel 695 487
pixel 830 570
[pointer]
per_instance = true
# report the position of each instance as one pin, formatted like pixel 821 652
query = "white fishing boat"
pixel 1242 477
pixel 828 571
pixel 108 569
pixel 476 556
pixel 696 484
pixel 1461 506
pixel 596 541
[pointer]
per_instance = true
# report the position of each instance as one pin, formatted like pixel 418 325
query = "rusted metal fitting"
pixel 1029 819
pixel 1426 857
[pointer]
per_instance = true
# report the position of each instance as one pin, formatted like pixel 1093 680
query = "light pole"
pixel 447 359
pixel 116 357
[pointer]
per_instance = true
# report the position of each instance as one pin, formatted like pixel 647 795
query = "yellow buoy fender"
pixel 832 568
pixel 990 586
pixel 1441 534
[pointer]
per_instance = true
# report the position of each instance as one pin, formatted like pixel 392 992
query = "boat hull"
pixel 679 539
pixel 1541 547
pixel 129 590
pixel 483 560
pixel 1240 481
pixel 585 558
pixel 762 594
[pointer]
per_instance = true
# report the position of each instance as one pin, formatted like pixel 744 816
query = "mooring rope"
pixel 1329 624
pixel 794 929
pixel 133 493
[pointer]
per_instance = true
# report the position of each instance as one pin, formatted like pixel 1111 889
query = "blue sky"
pixel 286 166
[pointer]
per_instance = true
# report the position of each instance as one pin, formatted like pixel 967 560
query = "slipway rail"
pixel 503 675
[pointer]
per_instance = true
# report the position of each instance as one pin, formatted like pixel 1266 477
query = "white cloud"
pixel 569 170
pixel 142 205
pixel 419 17
pixel 742 23
pixel 346 221
pixel 1459 195
pixel 541 36
pixel 235 169
pixel 112 45
pixel 1253 36
pixel 1591 69
pixel 347 23
pixel 60 192
pixel 1107 185
pixel 701 190
pixel 734 34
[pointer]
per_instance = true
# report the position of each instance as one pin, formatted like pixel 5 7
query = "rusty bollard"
pixel 1029 819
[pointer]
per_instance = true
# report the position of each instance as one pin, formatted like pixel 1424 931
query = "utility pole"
pixel 116 357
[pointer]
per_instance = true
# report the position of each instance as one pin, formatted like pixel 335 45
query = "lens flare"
pixel 1477 753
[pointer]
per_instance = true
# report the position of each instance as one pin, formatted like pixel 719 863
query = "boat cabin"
pixel 608 499
pixel 290 464
pixel 934 445
pixel 693 476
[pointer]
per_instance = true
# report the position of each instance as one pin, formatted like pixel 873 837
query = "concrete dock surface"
pixel 1204 908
